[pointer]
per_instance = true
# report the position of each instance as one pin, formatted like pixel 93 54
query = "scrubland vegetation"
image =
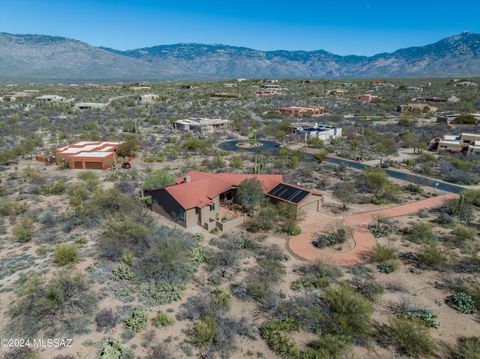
pixel 82 256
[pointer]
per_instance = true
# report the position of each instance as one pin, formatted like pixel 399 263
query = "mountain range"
pixel 52 59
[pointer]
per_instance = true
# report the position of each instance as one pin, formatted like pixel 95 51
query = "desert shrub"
pixel 381 253
pixel 420 232
pixel 317 275
pixel 468 348
pixel 259 282
pixel 168 257
pixel 250 195
pixel 462 302
pixel 337 234
pixel 12 208
pixel 204 331
pixel 382 227
pixel 123 272
pixel 388 266
pixel 158 352
pixel 162 319
pixel 21 353
pixel 275 333
pixel 463 233
pixel 65 253
pixel 55 188
pixel 221 298
pixel 158 179
pixel 368 287
pixel 265 219
pixel 296 230
pixel 63 305
pixel 120 233
pixel 105 319
pixel 136 320
pixel 349 313
pixel 472 196
pixel 433 256
pixel 411 336
pixel 113 348
pixel 23 230
pixel 89 179
pixel 427 317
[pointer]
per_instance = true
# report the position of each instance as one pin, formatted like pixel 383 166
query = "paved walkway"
pixel 316 222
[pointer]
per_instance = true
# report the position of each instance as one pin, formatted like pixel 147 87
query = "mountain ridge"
pixel 53 58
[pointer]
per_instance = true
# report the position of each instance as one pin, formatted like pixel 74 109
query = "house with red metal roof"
pixel 198 198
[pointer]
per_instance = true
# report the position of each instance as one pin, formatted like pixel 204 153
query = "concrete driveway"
pixel 316 223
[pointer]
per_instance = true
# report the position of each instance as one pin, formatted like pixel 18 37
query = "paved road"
pixel 273 146
pixel 424 181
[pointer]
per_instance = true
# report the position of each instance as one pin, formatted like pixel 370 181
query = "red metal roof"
pixel 203 187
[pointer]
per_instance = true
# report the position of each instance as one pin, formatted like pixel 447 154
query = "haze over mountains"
pixel 53 59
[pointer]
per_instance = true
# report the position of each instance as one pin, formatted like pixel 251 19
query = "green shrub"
pixel 158 179
pixel 64 305
pixel 411 337
pixel 382 227
pixel 162 320
pixel 338 234
pixel 137 320
pixel 55 188
pixel 41 251
pixel 317 275
pixel 204 331
pixel 388 267
pixel 296 230
pixel 469 348
pixel 463 233
pixel 462 302
pixel 23 230
pixel 123 272
pixel 381 253
pixel 65 254
pixel 420 232
pixel 113 348
pixel 433 256
pixel 349 312
pixel 425 316
pixel 221 298
pixel 12 208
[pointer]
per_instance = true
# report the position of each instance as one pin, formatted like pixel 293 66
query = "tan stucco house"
pixel 198 198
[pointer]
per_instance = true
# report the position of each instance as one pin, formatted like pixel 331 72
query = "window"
pixel 212 207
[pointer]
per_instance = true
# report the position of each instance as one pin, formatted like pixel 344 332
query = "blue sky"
pixel 343 27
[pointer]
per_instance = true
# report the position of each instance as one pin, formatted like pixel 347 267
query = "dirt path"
pixel 316 222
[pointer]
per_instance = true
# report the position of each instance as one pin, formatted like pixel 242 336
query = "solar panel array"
pixel 288 193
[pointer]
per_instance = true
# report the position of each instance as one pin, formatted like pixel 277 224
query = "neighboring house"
pixel 202 125
pixel 12 96
pixel 466 142
pixel 322 132
pixel 368 97
pixel 201 198
pixel 51 99
pixel 338 92
pixel 268 92
pixel 416 107
pixel 429 99
pixel 90 105
pixel 447 118
pixel 148 99
pixel 302 111
pixel 87 155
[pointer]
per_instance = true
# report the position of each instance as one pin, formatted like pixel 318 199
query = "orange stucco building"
pixel 93 155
